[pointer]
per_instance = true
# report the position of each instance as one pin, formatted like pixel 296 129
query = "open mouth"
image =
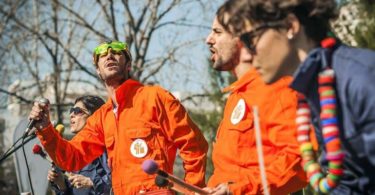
pixel 212 50
pixel 110 64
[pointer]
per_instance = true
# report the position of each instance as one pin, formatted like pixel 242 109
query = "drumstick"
pixel 258 139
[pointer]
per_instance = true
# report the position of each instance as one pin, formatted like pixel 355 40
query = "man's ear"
pixel 94 61
pixel 294 26
pixel 98 73
pixel 245 55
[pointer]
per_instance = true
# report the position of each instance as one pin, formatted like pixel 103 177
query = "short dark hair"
pixel 91 102
pixel 314 15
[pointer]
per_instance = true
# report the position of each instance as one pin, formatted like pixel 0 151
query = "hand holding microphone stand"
pixel 26 137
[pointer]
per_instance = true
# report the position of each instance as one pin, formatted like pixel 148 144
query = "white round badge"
pixel 238 112
pixel 138 148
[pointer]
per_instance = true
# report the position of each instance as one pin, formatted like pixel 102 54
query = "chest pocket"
pixel 237 125
pixel 143 142
pixel 243 132
pixel 144 133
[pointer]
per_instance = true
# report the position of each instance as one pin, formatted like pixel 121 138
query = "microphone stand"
pixel 10 152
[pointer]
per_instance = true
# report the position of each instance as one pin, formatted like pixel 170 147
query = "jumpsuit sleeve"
pixel 73 155
pixel 186 136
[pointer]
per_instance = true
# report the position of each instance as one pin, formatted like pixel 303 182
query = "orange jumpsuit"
pixel 234 152
pixel 150 124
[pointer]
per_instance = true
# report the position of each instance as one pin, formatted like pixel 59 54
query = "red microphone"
pixel 150 167
pixel 37 149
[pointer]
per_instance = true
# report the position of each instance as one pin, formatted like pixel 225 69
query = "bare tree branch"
pixel 84 22
pixel 191 97
pixel 113 20
pixel 22 99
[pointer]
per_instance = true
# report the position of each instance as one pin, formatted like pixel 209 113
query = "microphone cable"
pixel 27 166
pixel 11 147
pixel 15 147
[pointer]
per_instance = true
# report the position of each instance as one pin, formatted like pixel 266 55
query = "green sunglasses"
pixel 117 47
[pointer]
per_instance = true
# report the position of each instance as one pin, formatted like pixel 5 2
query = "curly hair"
pixel 91 102
pixel 314 15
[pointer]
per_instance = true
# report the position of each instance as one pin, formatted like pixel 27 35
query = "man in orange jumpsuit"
pixel 137 122
pixel 236 169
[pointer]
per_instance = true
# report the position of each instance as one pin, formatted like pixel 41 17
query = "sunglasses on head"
pixel 247 38
pixel 116 46
pixel 77 111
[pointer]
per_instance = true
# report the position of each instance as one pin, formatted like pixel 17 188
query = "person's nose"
pixel 110 54
pixel 210 39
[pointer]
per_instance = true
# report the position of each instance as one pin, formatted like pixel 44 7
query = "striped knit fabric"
pixel 329 121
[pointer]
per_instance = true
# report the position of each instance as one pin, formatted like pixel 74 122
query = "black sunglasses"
pixel 247 38
pixel 77 111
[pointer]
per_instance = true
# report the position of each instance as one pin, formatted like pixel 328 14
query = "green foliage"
pixel 208 120
pixel 365 31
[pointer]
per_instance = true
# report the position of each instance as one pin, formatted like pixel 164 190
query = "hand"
pixel 80 181
pixel 40 113
pixel 208 190
pixel 221 189
pixel 57 178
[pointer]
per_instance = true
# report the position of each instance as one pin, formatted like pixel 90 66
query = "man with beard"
pixel 236 165
pixel 137 123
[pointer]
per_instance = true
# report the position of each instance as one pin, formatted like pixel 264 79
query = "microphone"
pixel 38 150
pixel 60 128
pixel 150 167
pixel 41 101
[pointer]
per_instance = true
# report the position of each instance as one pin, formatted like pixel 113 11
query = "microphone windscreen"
pixel 161 181
pixel 60 128
pixel 149 166
pixel 43 101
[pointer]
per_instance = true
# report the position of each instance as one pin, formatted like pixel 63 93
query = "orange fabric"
pixel 144 112
pixel 234 154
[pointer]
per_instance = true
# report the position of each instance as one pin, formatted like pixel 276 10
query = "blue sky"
pixel 192 74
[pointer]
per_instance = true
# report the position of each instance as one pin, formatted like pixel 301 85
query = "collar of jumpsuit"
pixel 244 80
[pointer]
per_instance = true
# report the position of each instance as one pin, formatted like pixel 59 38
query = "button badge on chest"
pixel 139 148
pixel 238 112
